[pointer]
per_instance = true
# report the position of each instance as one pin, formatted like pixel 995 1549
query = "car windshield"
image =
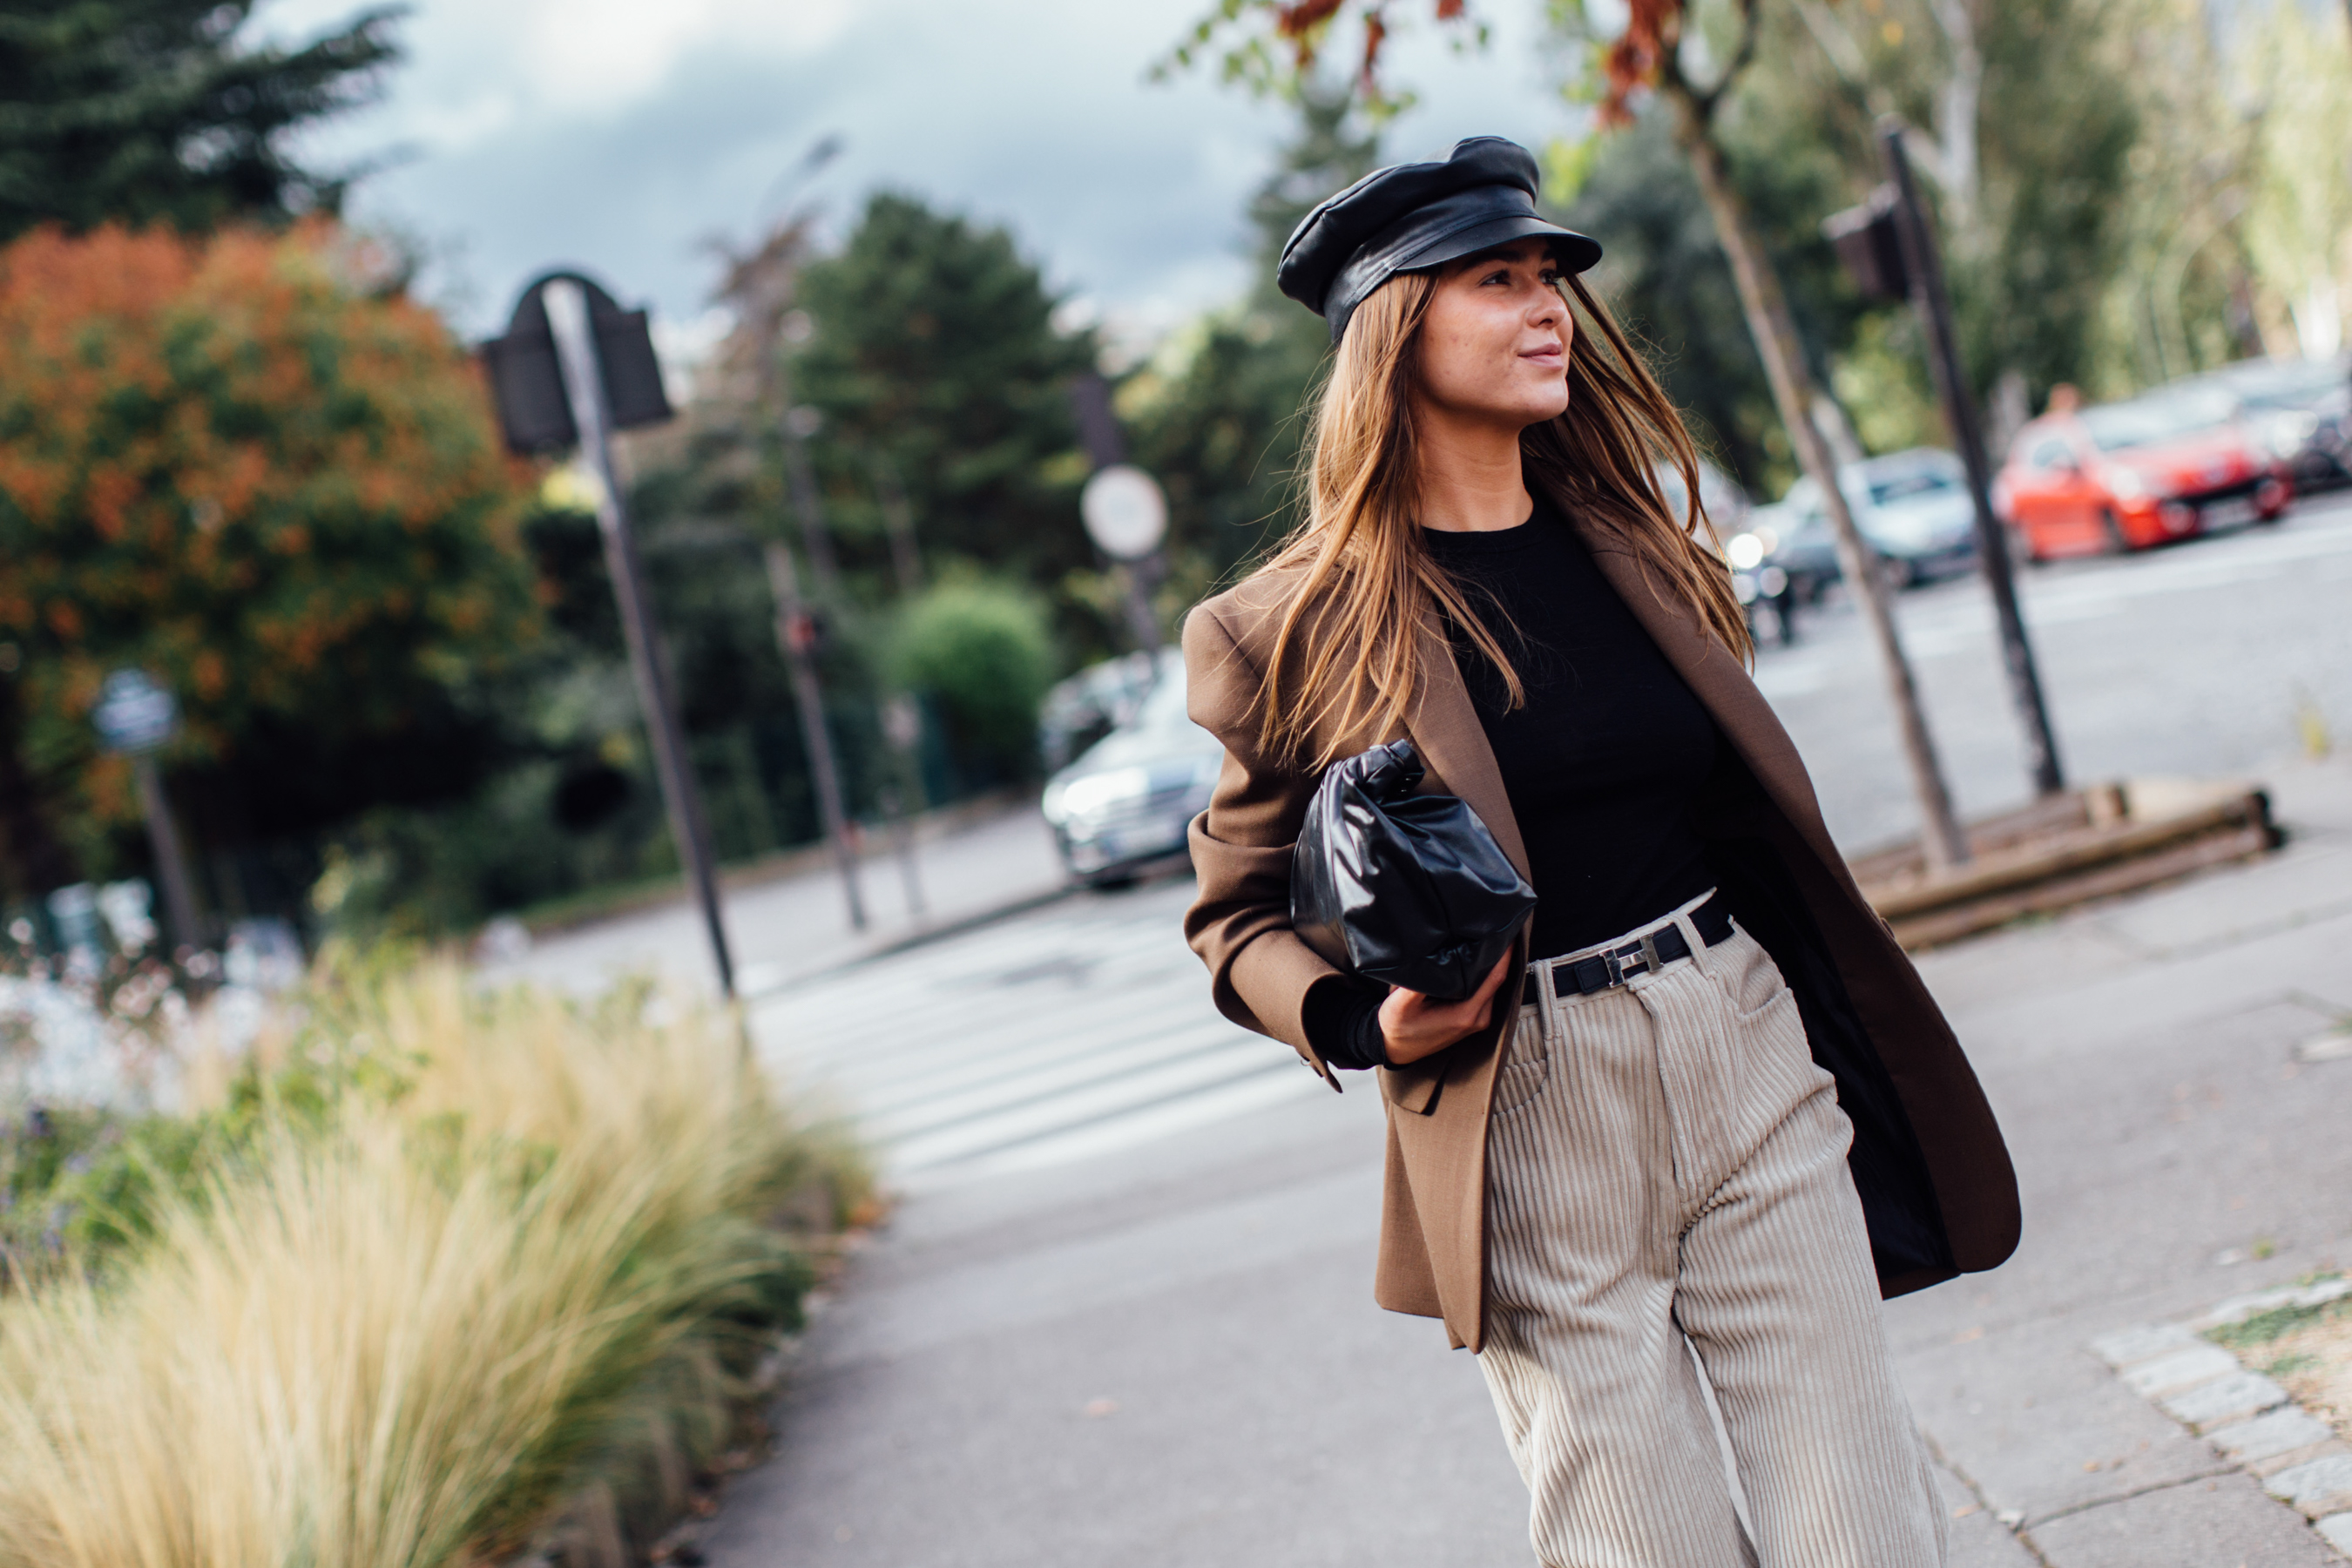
pixel 1887 489
pixel 1164 708
pixel 2290 385
pixel 2148 420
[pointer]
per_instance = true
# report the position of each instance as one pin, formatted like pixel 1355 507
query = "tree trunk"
pixel 1775 332
pixel 33 858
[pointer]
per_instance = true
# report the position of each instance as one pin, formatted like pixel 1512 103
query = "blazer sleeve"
pixel 1259 971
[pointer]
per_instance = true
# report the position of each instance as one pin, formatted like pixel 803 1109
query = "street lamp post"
pixel 572 368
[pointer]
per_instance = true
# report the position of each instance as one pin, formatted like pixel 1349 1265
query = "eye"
pixel 1500 274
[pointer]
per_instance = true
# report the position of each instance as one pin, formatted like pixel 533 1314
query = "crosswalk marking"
pixel 1067 1032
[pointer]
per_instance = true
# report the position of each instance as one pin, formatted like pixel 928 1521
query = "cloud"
pixel 620 136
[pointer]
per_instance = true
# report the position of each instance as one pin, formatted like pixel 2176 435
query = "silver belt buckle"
pixel 1647 957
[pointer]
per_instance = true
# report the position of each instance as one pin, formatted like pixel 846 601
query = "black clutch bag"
pixel 1408 889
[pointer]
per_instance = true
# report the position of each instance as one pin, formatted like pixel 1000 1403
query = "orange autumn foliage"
pixel 223 458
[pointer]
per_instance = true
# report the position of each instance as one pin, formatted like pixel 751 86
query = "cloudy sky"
pixel 623 134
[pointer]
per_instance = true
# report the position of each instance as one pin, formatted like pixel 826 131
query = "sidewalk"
pixel 796 926
pixel 2172 1152
pixel 1168 1355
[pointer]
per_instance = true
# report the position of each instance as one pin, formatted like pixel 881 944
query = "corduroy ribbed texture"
pixel 1666 1172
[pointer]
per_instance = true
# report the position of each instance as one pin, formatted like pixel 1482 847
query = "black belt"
pixel 1644 956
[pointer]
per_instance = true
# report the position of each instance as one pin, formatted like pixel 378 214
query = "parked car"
pixel 2126 476
pixel 1912 507
pixel 1725 504
pixel 1129 798
pixel 1083 707
pixel 2300 408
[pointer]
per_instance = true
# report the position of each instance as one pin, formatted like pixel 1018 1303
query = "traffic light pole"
pixel 171 862
pixel 796 640
pixel 1923 265
pixel 583 387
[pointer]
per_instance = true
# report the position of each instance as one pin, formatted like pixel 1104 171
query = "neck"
pixel 1470 480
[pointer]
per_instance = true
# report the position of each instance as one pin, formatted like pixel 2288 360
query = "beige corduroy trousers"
pixel 1666 1173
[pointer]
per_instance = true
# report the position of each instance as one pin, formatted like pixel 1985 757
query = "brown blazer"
pixel 1928 1160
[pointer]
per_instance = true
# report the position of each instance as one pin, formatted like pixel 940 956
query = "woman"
pixel 1705 1105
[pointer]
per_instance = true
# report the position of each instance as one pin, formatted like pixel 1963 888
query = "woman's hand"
pixel 1415 1026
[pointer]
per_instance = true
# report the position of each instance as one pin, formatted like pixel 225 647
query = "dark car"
pixel 2301 409
pixel 1128 798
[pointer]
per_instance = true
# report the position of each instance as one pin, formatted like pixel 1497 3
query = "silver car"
pixel 1128 798
pixel 1914 507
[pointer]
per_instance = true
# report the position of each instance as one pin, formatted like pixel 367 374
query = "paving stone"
pixel 2267 1436
pixel 2221 1522
pixel 2337 1530
pixel 2226 1400
pixel 2181 1369
pixel 2142 1341
pixel 2321 1487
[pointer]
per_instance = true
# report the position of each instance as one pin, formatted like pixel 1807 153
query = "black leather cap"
pixel 1410 217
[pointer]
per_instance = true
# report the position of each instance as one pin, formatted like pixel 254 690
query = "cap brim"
pixel 1575 252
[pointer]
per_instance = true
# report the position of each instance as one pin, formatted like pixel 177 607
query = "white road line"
pixel 1047 1038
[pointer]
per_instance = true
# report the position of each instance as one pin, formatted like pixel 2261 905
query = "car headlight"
pixel 1091 792
pixel 1745 551
pixel 2126 483
pixel 2286 433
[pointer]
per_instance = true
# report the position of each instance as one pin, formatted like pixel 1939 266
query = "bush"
pixel 979 652
pixel 505 1253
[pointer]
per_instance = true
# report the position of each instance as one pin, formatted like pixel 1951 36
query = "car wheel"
pixel 2111 532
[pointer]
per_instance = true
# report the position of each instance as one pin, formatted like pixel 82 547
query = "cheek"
pixel 1452 363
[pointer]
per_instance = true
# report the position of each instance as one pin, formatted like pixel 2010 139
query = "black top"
pixel 1602 762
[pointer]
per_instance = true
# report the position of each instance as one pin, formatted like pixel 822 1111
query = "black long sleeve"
pixel 1343 1023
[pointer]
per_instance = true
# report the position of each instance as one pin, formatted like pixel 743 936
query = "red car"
pixel 2130 475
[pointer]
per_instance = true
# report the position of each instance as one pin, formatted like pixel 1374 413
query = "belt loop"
pixel 1549 995
pixel 1701 953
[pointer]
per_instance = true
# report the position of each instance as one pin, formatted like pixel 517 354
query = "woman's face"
pixel 1495 341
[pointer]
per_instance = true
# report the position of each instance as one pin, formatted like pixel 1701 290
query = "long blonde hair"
pixel 1367 584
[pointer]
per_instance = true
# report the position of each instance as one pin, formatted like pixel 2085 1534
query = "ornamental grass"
pixel 503 1294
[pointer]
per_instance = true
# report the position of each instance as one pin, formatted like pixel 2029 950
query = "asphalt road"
pixel 1124 1316
pixel 2195 659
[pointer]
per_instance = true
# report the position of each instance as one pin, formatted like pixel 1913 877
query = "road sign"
pixel 133 713
pixel 1125 513
pixel 527 372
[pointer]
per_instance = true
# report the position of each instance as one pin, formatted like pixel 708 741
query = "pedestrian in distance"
pixel 1703 1115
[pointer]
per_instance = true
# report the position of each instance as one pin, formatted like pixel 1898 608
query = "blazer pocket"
pixel 1414 1087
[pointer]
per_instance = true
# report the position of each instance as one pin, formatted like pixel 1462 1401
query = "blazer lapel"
pixel 1444 728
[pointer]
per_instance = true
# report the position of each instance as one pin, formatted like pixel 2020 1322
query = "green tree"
pixel 2022 118
pixel 934 354
pixel 979 652
pixel 150 112
pixel 233 462
pixel 1219 420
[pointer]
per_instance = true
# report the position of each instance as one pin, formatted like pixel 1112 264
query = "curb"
pixel 972 920
pixel 2249 1419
